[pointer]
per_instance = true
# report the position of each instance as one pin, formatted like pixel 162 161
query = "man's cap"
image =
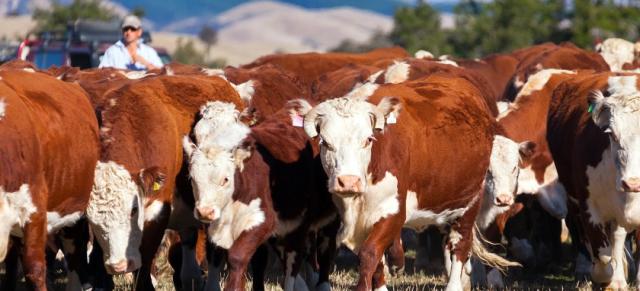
pixel 131 20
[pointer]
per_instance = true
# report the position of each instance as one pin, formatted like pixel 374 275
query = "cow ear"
pixel 241 153
pixel 303 115
pixel 527 149
pixel 188 146
pixel 387 111
pixel 151 180
pixel 600 112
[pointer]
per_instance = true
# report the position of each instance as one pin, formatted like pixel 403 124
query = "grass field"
pixel 345 277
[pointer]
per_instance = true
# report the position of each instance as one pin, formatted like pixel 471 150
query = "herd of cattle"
pixel 304 153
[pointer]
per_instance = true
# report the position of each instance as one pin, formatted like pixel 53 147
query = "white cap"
pixel 131 20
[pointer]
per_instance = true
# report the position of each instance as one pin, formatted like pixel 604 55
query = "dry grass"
pixel 345 277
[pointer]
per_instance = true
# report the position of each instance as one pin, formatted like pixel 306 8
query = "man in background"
pixel 129 52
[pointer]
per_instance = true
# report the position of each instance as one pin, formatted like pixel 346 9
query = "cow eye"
pixel 327 145
pixel 224 181
pixel 368 141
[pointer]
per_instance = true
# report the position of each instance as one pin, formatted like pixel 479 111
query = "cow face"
pixel 115 212
pixel 346 127
pixel 507 157
pixel 213 162
pixel 15 211
pixel 619 116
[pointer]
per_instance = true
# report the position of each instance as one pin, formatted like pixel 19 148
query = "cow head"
pixel 15 210
pixel 213 161
pixel 346 127
pixel 507 157
pixel 116 212
pixel 619 116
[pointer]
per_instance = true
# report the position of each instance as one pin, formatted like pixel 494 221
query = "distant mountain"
pixel 165 12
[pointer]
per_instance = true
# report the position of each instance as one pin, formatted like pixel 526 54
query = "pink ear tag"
pixel 297 120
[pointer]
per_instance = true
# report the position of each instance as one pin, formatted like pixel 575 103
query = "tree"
pixel 504 25
pixel 597 20
pixel 417 28
pixel 139 11
pixel 209 36
pixel 187 53
pixel 58 16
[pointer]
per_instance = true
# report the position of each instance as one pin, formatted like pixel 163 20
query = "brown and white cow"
pixel 565 56
pixel 141 155
pixel 309 66
pixel 385 167
pixel 592 134
pixel 49 146
pixel 618 52
pixel 231 187
pixel 303 205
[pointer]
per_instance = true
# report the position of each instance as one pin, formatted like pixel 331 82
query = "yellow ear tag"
pixel 156 186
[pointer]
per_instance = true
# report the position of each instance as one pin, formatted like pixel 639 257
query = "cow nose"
pixel 504 200
pixel 206 213
pixel 349 183
pixel 117 268
pixel 631 184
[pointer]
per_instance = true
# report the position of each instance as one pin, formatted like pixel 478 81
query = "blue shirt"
pixel 118 57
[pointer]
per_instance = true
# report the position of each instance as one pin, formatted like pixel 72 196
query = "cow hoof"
pixel 324 287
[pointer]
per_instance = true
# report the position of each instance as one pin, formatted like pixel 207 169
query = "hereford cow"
pixel 303 205
pixel 231 187
pixel 141 156
pixel 382 175
pixel 49 146
pixel 548 56
pixel 617 52
pixel 592 134
pixel 309 66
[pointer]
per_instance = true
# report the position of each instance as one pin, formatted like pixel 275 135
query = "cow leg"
pixel 459 243
pixel 396 257
pixel 74 246
pixel 239 256
pixel 601 251
pixel 293 260
pixel 33 259
pixel 618 259
pixel 215 259
pixel 381 237
pixel 190 277
pixel 152 238
pixel 258 266
pixel 11 262
pixel 327 251
pixel 100 278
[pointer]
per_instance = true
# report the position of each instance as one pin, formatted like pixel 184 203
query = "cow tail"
pixel 479 251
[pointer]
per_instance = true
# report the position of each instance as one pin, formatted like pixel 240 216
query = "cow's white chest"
pixel 235 218
pixel 605 203
pixel 360 213
pixel 419 219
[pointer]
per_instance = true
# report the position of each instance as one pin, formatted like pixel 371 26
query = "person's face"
pixel 131 34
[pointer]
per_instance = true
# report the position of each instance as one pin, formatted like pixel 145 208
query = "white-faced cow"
pixel 385 167
pixel 593 136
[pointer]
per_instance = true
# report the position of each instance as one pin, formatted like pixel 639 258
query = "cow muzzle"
pixel 205 214
pixel 503 200
pixel 348 185
pixel 631 184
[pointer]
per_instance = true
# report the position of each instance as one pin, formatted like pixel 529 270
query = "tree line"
pixel 483 27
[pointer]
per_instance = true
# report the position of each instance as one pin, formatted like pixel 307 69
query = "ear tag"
pixel 590 108
pixel 391 119
pixel 156 186
pixel 297 120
